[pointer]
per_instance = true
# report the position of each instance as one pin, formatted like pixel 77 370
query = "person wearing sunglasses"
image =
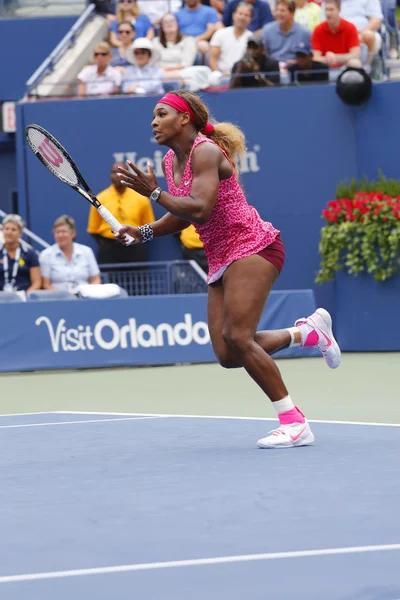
pixel 128 10
pixel 126 34
pixel 99 79
pixel 142 76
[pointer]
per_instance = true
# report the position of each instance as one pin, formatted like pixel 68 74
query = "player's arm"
pixel 167 225
pixel 197 207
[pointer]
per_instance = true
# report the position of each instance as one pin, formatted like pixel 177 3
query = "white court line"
pixel 21 425
pixel 78 412
pixel 29 414
pixel 196 562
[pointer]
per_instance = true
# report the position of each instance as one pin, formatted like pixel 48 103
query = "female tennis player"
pixel 245 253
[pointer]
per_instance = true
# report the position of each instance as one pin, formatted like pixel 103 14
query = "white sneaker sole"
pixel 333 353
pixel 307 441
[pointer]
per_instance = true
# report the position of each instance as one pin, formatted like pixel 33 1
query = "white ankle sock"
pixel 282 406
pixel 292 331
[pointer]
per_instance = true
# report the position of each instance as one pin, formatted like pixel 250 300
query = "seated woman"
pixel 19 267
pixel 142 77
pixel 177 56
pixel 66 264
pixel 99 79
pixel 126 34
pixel 128 10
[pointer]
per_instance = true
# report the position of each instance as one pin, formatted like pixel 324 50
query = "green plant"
pixel 362 231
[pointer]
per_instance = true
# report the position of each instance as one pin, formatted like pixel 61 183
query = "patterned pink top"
pixel 234 229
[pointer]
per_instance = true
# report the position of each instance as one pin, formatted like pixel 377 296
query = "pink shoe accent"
pixel 291 416
pixel 312 339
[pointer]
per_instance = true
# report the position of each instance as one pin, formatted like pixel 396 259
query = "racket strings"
pixel 55 160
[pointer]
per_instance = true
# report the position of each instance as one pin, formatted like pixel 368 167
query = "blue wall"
pixel 301 143
pixel 24 45
pixel 8 175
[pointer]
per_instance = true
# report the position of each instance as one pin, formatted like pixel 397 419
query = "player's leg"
pixel 215 310
pixel 313 331
pixel 246 285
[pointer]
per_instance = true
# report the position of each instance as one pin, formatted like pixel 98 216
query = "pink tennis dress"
pixel 234 229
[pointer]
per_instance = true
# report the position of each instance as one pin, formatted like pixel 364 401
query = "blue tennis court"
pixel 129 506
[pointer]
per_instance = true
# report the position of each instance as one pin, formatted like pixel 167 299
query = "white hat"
pixel 142 44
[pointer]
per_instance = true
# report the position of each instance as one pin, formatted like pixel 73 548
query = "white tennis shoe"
pixel 288 436
pixel 321 323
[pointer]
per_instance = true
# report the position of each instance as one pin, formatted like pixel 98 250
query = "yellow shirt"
pixel 190 238
pixel 129 208
pixel 310 15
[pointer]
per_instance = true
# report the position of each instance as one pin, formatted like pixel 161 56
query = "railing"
pixel 68 40
pixel 156 278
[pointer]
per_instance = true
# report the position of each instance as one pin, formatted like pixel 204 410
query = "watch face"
pixel 155 195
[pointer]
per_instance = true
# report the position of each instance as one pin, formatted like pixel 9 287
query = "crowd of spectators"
pixel 158 45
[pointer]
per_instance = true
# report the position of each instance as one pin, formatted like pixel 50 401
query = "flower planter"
pixel 367 313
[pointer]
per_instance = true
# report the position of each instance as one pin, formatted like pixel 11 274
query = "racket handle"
pixel 113 223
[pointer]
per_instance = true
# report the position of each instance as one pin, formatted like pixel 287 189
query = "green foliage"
pixel 362 230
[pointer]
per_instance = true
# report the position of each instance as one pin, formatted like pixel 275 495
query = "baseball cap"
pixel 303 48
pixel 256 40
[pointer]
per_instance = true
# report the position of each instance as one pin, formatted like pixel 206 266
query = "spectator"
pixel 261 14
pixel 100 78
pixel 217 4
pixel 335 41
pixel 228 45
pixel 282 37
pixel 307 70
pixel 105 8
pixel 128 10
pixel 176 51
pixel 142 77
pixel 126 34
pixel 156 9
pixel 178 54
pixel 192 247
pixel 200 22
pixel 390 18
pixel 366 16
pixel 308 14
pixel 66 264
pixel 256 69
pixel 19 267
pixel 128 207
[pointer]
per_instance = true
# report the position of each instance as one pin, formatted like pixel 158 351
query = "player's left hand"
pixel 143 183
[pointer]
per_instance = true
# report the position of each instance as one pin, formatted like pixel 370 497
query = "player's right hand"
pixel 130 230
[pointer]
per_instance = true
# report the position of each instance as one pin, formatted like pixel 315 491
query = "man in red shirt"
pixel 336 41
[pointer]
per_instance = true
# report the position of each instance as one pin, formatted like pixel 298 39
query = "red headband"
pixel 182 106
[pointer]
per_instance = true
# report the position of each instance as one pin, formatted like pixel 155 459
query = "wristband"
pixel 146 233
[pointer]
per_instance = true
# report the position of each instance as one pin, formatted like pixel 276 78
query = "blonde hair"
pixel 65 220
pixel 135 11
pixel 226 135
pixel 102 47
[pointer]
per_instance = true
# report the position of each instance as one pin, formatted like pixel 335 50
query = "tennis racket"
pixel 55 157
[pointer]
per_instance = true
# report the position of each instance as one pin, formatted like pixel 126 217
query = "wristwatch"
pixel 155 194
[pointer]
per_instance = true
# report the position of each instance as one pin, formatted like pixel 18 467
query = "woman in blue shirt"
pixel 19 266
pixel 128 10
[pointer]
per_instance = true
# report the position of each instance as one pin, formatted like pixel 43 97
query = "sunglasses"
pixel 128 1
pixel 127 31
pixel 138 52
pixel 101 53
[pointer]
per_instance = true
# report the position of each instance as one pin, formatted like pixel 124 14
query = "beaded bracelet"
pixel 146 233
